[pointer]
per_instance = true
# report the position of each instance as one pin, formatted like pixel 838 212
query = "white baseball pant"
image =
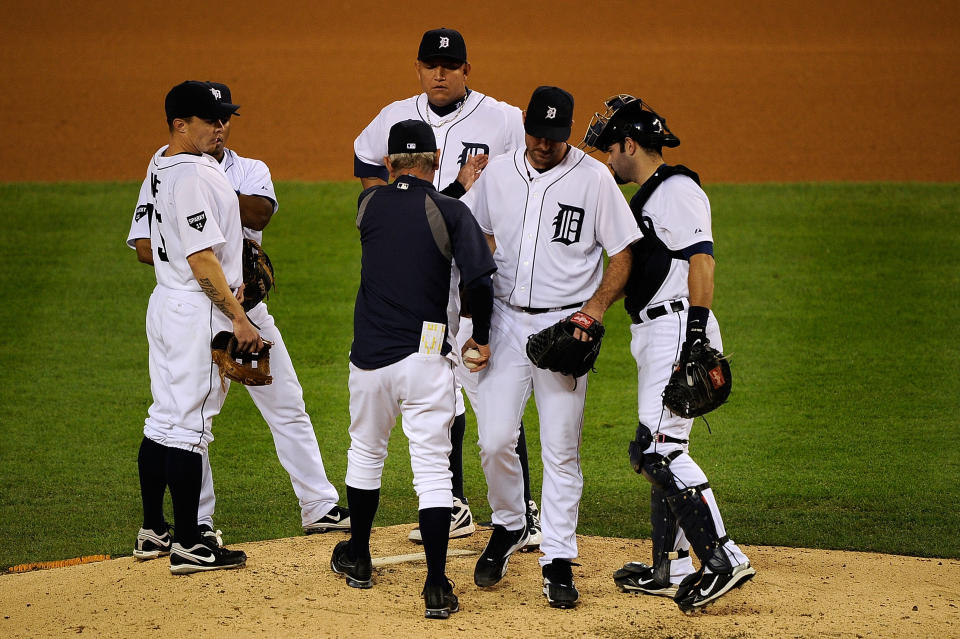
pixel 281 404
pixel 421 389
pixel 184 381
pixel 655 345
pixel 505 386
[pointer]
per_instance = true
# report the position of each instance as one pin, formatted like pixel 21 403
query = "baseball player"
pixel 281 403
pixel 470 128
pixel 196 233
pixel 402 357
pixel 548 211
pixel 668 297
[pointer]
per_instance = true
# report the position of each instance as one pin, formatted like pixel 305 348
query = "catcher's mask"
pixel 628 117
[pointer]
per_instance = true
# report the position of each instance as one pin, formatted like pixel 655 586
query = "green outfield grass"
pixel 836 302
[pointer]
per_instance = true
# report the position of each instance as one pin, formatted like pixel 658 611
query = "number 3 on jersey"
pixel 162 249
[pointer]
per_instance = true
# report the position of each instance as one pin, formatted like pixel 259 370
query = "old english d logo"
pixel 198 220
pixel 567 224
pixel 470 149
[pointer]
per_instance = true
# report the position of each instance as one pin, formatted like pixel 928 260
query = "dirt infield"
pixel 782 91
pixel 757 91
pixel 288 590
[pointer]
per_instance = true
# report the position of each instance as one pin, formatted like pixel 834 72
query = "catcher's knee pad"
pixel 641 441
pixel 693 515
pixel 664 525
pixel 656 468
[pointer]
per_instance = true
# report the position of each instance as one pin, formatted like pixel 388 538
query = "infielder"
pixel 196 233
pixel 469 128
pixel 402 357
pixel 281 403
pixel 669 295
pixel 548 211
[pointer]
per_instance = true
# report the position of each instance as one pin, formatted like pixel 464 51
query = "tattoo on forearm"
pixel 218 300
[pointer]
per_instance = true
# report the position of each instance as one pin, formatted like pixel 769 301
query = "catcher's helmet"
pixel 628 117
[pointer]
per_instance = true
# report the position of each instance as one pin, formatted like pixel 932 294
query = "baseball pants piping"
pixel 505 386
pixel 184 381
pixel 655 346
pixel 282 407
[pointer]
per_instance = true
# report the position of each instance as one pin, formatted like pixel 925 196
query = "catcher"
pixel 680 368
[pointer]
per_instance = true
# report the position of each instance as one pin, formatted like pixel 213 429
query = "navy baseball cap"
pixel 192 98
pixel 222 92
pixel 443 43
pixel 411 136
pixel 549 114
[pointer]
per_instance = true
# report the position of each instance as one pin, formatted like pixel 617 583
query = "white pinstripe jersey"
pixel 485 125
pixel 550 227
pixel 246 175
pixel 194 208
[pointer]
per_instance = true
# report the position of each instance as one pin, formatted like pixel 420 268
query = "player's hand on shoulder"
pixel 471 170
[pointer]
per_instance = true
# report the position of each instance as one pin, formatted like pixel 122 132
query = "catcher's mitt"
pixel 257 274
pixel 556 349
pixel 250 369
pixel 700 381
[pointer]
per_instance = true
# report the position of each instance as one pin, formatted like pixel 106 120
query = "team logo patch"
pixel 444 42
pixel 551 113
pixel 216 93
pixel 411 146
pixel 142 210
pixel 470 149
pixel 403 186
pixel 716 377
pixel 198 221
pixel 567 224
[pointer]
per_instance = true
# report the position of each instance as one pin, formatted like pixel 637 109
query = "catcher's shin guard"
pixel 664 525
pixel 693 514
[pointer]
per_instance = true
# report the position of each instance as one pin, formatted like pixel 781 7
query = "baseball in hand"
pixel 472 353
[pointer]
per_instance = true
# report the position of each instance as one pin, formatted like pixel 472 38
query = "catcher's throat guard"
pixel 250 369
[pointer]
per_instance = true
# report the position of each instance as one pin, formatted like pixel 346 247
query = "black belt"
pixel 660 438
pixel 654 312
pixel 538 311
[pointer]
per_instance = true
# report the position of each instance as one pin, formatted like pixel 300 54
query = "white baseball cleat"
pixel 461 523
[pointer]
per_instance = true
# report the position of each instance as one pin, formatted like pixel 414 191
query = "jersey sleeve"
pixel 616 227
pixel 516 136
pixel 685 213
pixel 257 181
pixel 370 147
pixel 470 249
pixel 196 222
pixel 142 215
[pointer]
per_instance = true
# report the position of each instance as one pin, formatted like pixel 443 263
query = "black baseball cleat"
pixel 210 537
pixel 558 584
pixel 639 577
pixel 151 544
pixel 492 564
pixel 440 601
pixel 358 572
pixel 711 586
pixel 337 519
pixel 201 558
